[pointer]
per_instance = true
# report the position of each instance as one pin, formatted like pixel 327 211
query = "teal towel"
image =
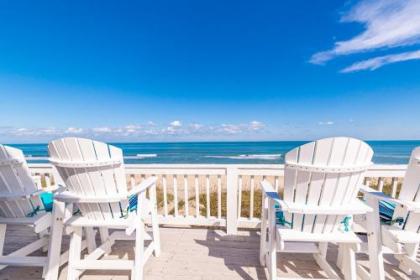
pixel 47 199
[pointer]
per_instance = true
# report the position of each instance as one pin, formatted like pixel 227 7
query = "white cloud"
pixel 231 128
pixel 326 123
pixel 377 62
pixel 256 125
pixel 388 24
pixel 196 126
pixel 136 131
pixel 173 128
pixel 131 129
pixel 74 130
pixel 176 124
pixel 241 128
pixel 104 129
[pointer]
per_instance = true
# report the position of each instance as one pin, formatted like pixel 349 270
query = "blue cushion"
pixel 47 199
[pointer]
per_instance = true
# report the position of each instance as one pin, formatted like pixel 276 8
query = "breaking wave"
pixel 245 157
pixel 140 156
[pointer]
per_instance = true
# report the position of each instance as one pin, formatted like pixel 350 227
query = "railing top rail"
pixel 376 170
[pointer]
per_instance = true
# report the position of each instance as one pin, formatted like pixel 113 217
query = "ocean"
pixel 386 152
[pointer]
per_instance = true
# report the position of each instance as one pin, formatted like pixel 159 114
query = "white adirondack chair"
pixel 321 183
pixel 402 236
pixel 20 204
pixel 95 179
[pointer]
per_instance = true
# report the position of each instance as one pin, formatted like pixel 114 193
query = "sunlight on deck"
pixel 194 254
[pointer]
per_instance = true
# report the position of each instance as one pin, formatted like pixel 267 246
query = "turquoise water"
pixel 387 152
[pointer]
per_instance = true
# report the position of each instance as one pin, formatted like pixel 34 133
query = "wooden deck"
pixel 195 254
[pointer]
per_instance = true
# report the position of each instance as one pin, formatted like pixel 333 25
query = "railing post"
pixel 232 200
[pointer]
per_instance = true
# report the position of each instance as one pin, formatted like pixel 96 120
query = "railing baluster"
pixel 47 180
pixel 175 195
pixel 394 187
pixel 186 210
pixel 165 196
pixel 236 182
pixel 208 195
pixel 251 198
pixel 367 181
pixel 197 197
pixel 380 184
pixel 219 197
pixel 132 180
pixel 143 177
pixel 240 196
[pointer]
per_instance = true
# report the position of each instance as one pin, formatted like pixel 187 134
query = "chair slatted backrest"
pixel 327 172
pixel 91 168
pixel 410 191
pixel 16 179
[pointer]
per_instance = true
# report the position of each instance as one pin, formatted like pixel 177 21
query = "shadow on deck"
pixel 195 254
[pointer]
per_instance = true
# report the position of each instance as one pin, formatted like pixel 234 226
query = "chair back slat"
pixel 91 179
pixel 15 178
pixel 331 173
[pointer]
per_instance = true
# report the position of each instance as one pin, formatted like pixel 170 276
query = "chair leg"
pixel 155 222
pixel 263 236
pixel 349 262
pixel 3 228
pixel 272 245
pixel 90 239
pixel 376 259
pixel 411 250
pixel 42 235
pixel 54 246
pixel 137 271
pixel 340 256
pixel 323 248
pixel 74 252
pixel 103 232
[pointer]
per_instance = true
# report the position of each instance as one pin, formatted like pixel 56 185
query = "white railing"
pixel 227 196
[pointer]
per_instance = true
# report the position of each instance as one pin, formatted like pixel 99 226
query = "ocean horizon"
pixel 224 152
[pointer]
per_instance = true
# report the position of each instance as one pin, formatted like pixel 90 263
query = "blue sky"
pixel 209 70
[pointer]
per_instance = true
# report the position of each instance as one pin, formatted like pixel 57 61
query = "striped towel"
pixel 386 211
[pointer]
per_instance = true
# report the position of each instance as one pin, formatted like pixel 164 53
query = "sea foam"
pixel 249 157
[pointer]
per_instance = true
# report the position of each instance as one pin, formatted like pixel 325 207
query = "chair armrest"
pixel 271 193
pixel 21 196
pixel 53 189
pixel 70 197
pixel 143 186
pixel 14 196
pixel 372 193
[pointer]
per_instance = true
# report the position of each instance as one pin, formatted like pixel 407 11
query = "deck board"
pixel 194 254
